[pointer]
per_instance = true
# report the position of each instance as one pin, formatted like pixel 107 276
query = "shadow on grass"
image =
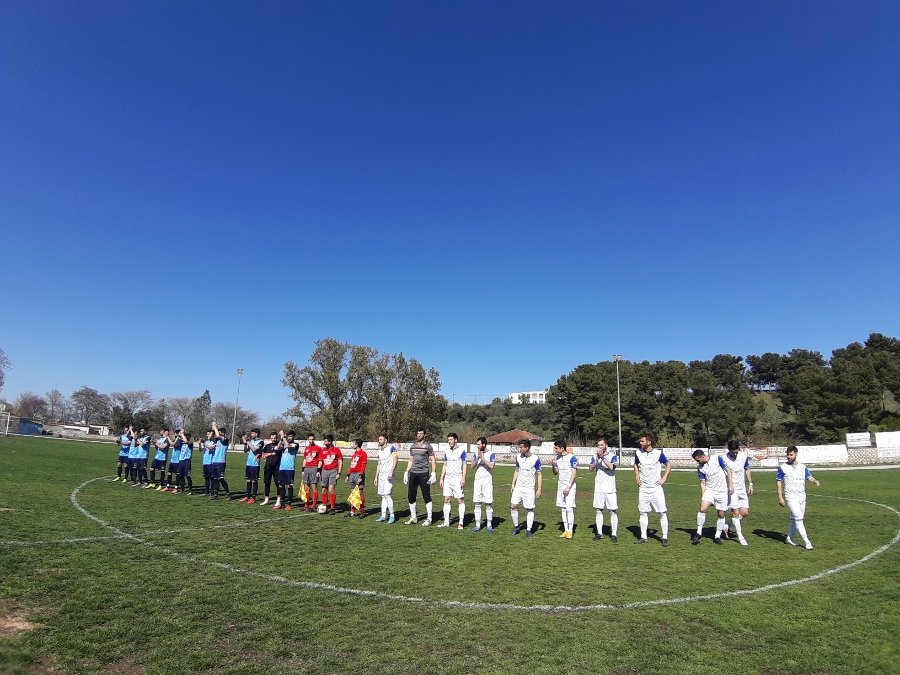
pixel 770 534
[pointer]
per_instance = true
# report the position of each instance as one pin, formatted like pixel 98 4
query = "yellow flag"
pixel 303 495
pixel 355 498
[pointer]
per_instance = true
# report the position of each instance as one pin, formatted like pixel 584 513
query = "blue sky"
pixel 501 190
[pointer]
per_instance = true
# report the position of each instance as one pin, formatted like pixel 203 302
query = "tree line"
pixel 357 391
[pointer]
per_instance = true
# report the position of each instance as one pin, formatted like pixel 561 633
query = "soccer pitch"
pixel 100 576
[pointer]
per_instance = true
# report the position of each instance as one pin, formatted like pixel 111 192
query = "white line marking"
pixel 283 581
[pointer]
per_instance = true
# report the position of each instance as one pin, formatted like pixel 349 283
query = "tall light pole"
pixel 240 371
pixel 617 358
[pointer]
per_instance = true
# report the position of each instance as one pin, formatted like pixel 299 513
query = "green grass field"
pixel 187 585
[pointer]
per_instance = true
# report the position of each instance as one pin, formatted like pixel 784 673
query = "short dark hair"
pixel 648 436
pixel 733 444
pixel 255 430
pixel 559 444
pixel 290 433
pixel 481 439
pixel 357 442
pixel 187 435
pixel 453 435
pixel 524 442
pixel 697 453
pixel 791 448
pixel 329 437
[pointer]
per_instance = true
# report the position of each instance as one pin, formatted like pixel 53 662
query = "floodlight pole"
pixel 617 358
pixel 240 371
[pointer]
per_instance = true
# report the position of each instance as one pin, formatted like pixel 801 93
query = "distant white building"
pixel 528 396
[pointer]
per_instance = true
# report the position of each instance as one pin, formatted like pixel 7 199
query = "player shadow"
pixel 780 537
pixel 707 532
pixel 636 532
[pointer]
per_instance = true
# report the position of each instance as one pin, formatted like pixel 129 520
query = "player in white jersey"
pixel 453 480
pixel 483 489
pixel 716 486
pixel 649 475
pixel 565 465
pixel 791 481
pixel 605 496
pixel 738 463
pixel 387 467
pixel 528 469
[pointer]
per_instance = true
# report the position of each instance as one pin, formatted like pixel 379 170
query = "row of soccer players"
pixel 725 483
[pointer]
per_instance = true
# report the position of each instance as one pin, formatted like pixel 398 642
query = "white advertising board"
pixel 887 439
pixel 889 453
pixel 822 454
pixel 859 440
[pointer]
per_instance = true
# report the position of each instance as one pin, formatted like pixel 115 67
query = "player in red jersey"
pixel 311 458
pixel 356 477
pixel 331 462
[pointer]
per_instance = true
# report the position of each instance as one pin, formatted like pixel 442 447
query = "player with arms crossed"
pixel 453 480
pixel 649 475
pixel 715 488
pixel 387 466
pixel 483 489
pixel 791 481
pixel 271 455
pixel 528 469
pixel 565 465
pixel 605 496
pixel 738 463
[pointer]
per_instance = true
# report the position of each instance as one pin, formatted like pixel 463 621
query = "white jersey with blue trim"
pixel 528 468
pixel 793 477
pixel 384 460
pixel 650 466
pixel 454 459
pixel 737 466
pixel 713 472
pixel 565 466
pixel 605 480
pixel 481 470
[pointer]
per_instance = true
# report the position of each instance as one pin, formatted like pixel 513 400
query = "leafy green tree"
pixel 355 390
pixel 764 371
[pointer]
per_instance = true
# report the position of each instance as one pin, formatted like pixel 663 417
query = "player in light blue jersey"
pixel 159 460
pixel 144 440
pixel 185 482
pixel 124 448
pixel 286 467
pixel 253 446
pixel 133 459
pixel 218 463
pixel 208 447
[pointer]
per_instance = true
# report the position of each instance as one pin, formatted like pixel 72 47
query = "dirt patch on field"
pixel 15 624
pixel 126 668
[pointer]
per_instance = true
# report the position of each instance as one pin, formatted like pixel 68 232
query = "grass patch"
pixel 175 604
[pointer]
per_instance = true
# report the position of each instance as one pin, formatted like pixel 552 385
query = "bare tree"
pixel 31 405
pixel 58 405
pixel 5 365
pixel 132 402
pixel 91 405
pixel 223 414
pixel 179 411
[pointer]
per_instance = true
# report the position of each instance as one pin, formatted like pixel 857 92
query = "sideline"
pixel 459 604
